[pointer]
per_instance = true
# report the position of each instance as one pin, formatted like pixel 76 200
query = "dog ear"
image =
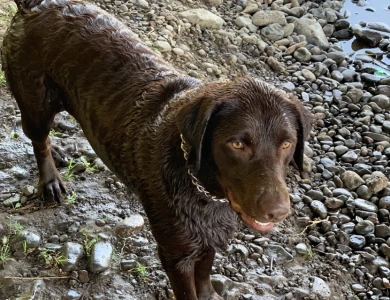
pixel 304 121
pixel 192 122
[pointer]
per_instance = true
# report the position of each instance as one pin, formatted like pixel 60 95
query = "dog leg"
pixel 38 104
pixel 204 289
pixel 181 278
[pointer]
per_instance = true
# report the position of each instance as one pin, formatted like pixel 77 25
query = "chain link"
pixel 195 181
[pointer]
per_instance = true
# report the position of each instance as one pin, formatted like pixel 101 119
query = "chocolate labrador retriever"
pixel 197 155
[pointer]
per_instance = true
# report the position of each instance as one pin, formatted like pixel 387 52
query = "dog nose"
pixel 278 214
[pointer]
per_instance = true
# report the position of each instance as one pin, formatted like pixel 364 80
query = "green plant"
pixel 2 79
pixel 139 270
pixel 15 227
pixel 310 252
pixel 69 174
pixel 24 244
pixel 4 251
pixel 14 135
pixel 54 133
pixel 87 165
pixel 51 258
pixel 88 243
pixel 71 198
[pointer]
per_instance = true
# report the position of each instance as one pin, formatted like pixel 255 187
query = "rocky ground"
pixel 336 243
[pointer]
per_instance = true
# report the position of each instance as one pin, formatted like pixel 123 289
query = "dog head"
pixel 246 133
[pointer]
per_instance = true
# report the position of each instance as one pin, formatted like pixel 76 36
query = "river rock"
pixel 351 180
pixel 203 17
pixel 377 182
pixel 72 253
pixel 313 32
pixel 266 17
pixel 100 259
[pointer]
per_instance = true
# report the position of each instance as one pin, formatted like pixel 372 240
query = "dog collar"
pixel 195 181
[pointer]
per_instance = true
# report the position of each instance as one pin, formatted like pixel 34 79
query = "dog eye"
pixel 238 145
pixel 286 144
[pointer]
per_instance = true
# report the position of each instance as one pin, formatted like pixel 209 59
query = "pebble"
pixel 101 255
pixel 73 253
pixel 319 208
pixel 129 226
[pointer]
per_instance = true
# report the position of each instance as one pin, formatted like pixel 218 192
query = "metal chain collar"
pixel 195 181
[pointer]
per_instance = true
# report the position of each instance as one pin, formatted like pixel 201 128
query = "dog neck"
pixel 186 148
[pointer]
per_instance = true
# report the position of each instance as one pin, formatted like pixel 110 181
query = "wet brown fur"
pixel 132 106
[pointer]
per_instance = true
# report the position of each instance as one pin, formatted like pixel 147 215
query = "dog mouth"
pixel 249 221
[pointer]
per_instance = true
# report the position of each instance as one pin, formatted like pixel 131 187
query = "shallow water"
pixel 360 13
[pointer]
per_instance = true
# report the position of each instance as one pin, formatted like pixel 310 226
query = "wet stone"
pixel 357 241
pixel 278 253
pixel 72 295
pixel 83 276
pixel 129 226
pixel 301 248
pixel 385 249
pixel 364 227
pixel 25 238
pixel 72 252
pixel 333 203
pixel 364 192
pixel 384 203
pixel 382 231
pixel 100 259
pixel 351 180
pixel 365 205
pixel 349 156
pixel 377 182
pixel 319 208
pixel 320 288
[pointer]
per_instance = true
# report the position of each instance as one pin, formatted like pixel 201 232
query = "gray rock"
pixel 162 46
pixel 100 259
pixel 377 182
pixel 365 227
pixel 381 100
pixel 349 156
pixel 202 17
pixel 313 32
pixel 337 56
pixel 349 75
pixel 333 203
pixel 320 288
pixel 273 32
pixel 278 253
pixel 383 89
pixel 129 226
pixel 368 37
pixel 370 78
pixel 382 231
pixel 355 95
pixel 385 249
pixel 72 252
pixel 25 239
pixel 72 295
pixel 351 180
pixel 319 208
pixel 243 21
pixel 384 203
pixel 141 3
pixel 266 17
pixel 365 205
pixel 357 242
pixel 275 65
pixel 28 190
pixel 364 192
pixel 301 248
pixel 380 26
pixel 307 73
pixel 336 75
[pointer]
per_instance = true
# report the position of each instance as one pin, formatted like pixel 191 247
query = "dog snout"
pixel 273 203
pixel 277 214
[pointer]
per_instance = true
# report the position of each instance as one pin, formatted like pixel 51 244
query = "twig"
pixel 311 224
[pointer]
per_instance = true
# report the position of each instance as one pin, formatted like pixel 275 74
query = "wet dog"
pixel 196 155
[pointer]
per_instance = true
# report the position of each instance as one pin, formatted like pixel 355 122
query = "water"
pixel 360 13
